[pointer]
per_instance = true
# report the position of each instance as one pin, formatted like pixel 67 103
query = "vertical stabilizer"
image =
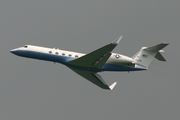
pixel 145 56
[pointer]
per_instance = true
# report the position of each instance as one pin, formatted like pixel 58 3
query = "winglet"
pixel 117 40
pixel 112 86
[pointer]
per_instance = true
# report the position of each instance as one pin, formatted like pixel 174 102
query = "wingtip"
pixel 117 40
pixel 165 43
pixel 111 87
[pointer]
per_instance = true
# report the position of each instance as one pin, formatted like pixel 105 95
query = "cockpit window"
pixel 25 46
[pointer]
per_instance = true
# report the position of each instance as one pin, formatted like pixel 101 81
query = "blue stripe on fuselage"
pixel 64 60
pixel 114 67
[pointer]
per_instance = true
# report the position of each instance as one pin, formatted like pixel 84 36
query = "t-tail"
pixel 144 57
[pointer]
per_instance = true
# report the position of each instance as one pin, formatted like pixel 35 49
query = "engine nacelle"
pixel 121 60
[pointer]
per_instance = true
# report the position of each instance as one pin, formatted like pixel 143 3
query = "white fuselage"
pixel 116 62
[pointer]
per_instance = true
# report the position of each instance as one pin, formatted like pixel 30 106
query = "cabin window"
pixel 63 53
pixel 76 56
pixel 26 46
pixel 70 55
pixel 57 53
pixel 50 51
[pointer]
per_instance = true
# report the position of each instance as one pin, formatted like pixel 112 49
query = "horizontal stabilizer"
pixel 160 57
pixel 156 48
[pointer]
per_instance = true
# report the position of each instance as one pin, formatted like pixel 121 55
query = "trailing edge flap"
pixel 96 58
pixel 95 79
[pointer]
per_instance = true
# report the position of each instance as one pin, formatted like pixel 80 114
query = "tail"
pixel 144 57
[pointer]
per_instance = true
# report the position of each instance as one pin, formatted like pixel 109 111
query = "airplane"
pixel 102 59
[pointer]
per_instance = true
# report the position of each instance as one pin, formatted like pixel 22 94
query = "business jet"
pixel 102 59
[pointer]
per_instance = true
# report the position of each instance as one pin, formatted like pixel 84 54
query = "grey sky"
pixel 39 90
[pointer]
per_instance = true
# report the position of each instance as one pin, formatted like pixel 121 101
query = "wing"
pixel 95 79
pixel 96 58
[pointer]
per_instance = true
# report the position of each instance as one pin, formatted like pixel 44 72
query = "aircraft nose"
pixel 14 51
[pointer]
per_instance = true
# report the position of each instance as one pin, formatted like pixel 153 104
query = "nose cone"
pixel 14 51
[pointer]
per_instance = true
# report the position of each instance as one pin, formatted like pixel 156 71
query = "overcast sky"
pixel 40 90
